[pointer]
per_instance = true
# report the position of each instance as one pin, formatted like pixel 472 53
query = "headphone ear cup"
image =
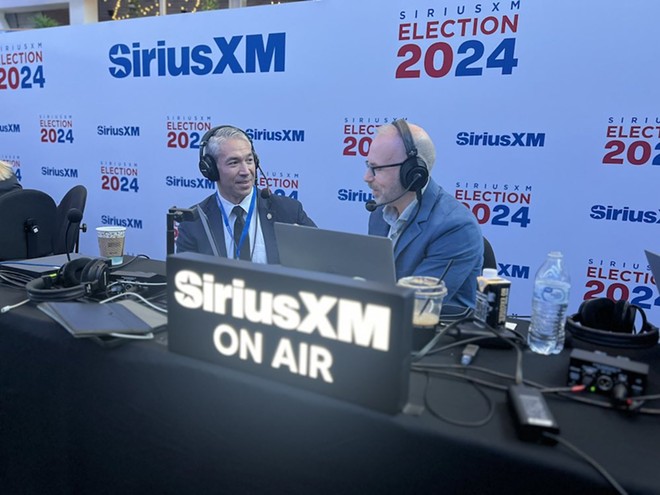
pixel 95 273
pixel 208 168
pixel 623 317
pixel 70 274
pixel 413 174
pixel 596 313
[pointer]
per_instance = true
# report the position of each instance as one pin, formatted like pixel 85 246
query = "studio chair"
pixel 27 223
pixel 489 255
pixel 68 218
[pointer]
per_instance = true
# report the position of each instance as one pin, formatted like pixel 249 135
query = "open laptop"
pixel 654 262
pixel 359 256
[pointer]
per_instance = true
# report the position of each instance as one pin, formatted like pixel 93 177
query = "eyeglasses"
pixel 378 167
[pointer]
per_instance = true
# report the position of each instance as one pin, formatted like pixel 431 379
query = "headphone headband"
pixel 207 163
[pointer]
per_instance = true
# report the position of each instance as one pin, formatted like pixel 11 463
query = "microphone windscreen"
pixel 265 193
pixel 371 205
pixel 74 215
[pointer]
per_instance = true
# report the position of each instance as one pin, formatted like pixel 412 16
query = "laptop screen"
pixel 358 256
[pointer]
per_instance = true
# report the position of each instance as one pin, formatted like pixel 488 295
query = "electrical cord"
pixel 122 285
pixel 562 392
pixel 133 294
pixel 456 422
pixel 474 381
pixel 429 369
pixel 141 284
pixel 588 459
pixel 124 265
pixel 14 279
pixel 4 309
pixel 146 336
pixel 416 356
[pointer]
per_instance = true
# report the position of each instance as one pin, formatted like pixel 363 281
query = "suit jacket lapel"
pixel 267 222
pixel 413 230
pixel 216 224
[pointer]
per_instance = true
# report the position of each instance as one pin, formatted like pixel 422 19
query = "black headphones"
pixel 413 174
pixel 207 164
pixel 611 323
pixel 77 278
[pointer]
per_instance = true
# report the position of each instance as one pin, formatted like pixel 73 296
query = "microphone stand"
pixel 175 214
pixel 31 238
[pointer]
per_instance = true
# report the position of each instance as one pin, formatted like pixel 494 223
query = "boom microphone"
pixel 371 205
pixel 265 193
pixel 74 216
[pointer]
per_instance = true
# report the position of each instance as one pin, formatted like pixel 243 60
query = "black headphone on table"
pixel 207 164
pixel 612 324
pixel 77 278
pixel 414 173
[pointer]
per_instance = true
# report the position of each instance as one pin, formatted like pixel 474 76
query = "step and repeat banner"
pixel 545 116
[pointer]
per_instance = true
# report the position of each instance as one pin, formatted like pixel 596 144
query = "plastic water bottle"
pixel 549 303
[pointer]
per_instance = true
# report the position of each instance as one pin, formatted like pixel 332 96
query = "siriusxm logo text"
pixel 524 139
pixel 10 128
pixel 196 183
pixel 341 319
pixel 59 172
pixel 260 55
pixel 105 130
pixel 350 195
pixel 513 271
pixel 283 135
pixel 625 214
pixel 133 223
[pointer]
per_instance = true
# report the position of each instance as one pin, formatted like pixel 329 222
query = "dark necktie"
pixel 239 225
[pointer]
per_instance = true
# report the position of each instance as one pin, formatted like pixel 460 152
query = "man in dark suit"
pixel 238 220
pixel 429 227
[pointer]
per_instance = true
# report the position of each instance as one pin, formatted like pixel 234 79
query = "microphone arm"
pixel 175 214
pixel 66 241
pixel 265 193
pixel 74 216
pixel 31 229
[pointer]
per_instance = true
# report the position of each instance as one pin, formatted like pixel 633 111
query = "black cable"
pixel 458 343
pixel 437 368
pixel 467 378
pixel 14 279
pixel 588 459
pixel 431 344
pixel 511 342
pixel 124 265
pixel 456 422
pixel 474 380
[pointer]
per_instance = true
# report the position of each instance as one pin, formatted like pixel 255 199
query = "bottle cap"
pixel 490 273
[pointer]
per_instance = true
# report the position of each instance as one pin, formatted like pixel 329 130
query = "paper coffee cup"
pixel 111 243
